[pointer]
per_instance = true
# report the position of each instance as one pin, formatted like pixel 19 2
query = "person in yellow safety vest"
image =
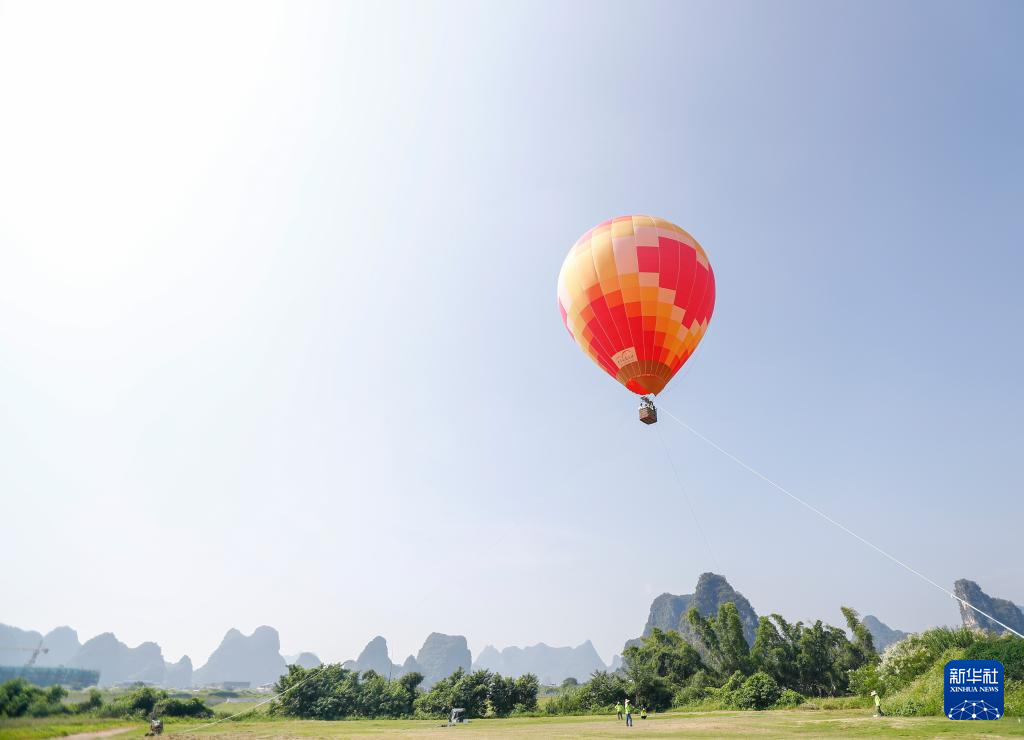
pixel 629 714
pixel 618 710
pixel 878 704
pixel 643 713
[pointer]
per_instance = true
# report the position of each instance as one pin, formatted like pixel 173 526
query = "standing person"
pixel 629 714
pixel 878 704
pixel 618 711
pixel 643 712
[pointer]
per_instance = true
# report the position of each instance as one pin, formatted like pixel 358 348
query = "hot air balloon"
pixel 636 294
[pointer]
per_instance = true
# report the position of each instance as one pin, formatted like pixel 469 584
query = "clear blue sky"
pixel 279 341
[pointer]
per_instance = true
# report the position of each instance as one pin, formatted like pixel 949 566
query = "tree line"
pixel 711 667
pixel 788 664
pixel 333 692
pixel 18 698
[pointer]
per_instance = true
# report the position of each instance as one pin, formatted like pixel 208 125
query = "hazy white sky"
pixel 279 342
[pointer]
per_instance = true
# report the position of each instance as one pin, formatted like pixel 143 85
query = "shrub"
pixel 1014 698
pixel 926 654
pixel 924 695
pixel 598 695
pixel 604 690
pixel 1008 650
pixel 864 680
pixel 93 702
pixel 905 706
pixel 570 701
pixel 43 708
pixel 829 703
pixel 790 698
pixel 759 691
pixel 139 703
pixel 193 707
pixel 911 657
pixel 719 698
pixel 702 692
pixel 688 695
pixel 940 639
pixel 733 682
pixel 19 698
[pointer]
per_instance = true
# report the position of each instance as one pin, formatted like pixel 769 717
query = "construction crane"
pixel 36 651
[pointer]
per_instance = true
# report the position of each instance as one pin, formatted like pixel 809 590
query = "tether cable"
pixel 253 708
pixel 686 497
pixel 832 521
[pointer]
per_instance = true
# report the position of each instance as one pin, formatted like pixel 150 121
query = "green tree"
pixel 524 693
pixel 56 694
pixel 775 649
pixel 409 685
pixel 379 697
pixel 461 689
pixel 501 693
pixel 861 650
pixel 602 691
pixel 722 638
pixel 673 658
pixel 1008 650
pixel 820 661
pixel 659 666
pixel 17 696
pixel 328 692
pixel 645 683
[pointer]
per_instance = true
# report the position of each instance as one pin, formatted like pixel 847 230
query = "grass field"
pixel 59 727
pixel 842 723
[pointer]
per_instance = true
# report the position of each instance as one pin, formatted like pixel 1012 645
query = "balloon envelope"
pixel 636 293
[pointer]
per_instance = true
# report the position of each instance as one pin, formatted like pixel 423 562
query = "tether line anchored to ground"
pixel 254 707
pixel 686 497
pixel 833 522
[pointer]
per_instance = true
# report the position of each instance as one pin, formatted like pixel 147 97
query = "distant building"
pixel 230 685
pixel 73 678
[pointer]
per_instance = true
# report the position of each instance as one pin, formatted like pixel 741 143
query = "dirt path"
pixel 100 733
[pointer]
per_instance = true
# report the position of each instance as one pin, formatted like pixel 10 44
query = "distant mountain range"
pixel 551 665
pixel 668 611
pixel 440 656
pixel 256 659
pixel 882 634
pixel 115 661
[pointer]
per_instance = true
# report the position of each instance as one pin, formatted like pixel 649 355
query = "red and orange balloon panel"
pixel 636 294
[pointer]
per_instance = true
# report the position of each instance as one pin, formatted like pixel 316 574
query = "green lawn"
pixel 781 723
pixel 844 723
pixel 228 708
pixel 57 726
